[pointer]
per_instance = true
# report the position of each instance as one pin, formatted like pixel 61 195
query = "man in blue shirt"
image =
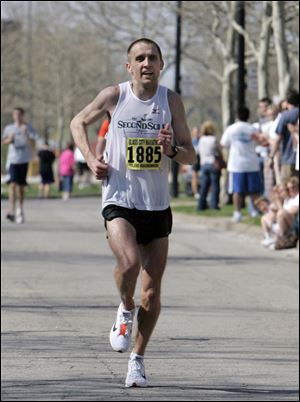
pixel 284 137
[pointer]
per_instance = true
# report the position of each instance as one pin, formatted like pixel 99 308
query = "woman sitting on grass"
pixel 280 215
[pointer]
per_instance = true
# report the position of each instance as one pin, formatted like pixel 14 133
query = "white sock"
pixel 267 235
pixel 134 356
pixel 127 311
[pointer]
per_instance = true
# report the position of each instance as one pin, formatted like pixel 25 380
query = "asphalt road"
pixel 228 328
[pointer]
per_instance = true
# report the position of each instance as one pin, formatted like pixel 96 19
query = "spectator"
pixel 83 170
pixel 262 107
pixel 262 126
pixel 21 137
pixel 284 137
pixel 281 216
pixel 268 220
pixel 190 173
pixel 195 133
pixel 208 148
pixel 66 171
pixel 290 208
pixel 274 114
pixel 47 158
pixel 101 140
pixel 294 130
pixel 241 139
pixel 268 209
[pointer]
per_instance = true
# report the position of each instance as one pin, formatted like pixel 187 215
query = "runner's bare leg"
pixel 154 258
pixel 12 198
pixel 122 240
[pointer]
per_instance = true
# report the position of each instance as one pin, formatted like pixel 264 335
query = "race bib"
pixel 143 154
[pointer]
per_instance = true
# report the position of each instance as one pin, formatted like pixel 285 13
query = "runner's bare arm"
pixel 8 140
pixel 100 147
pixel 103 103
pixel 186 153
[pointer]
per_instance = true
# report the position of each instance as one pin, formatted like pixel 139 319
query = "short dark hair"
pixel 70 145
pixel 292 97
pixel 243 113
pixel 266 100
pixel 145 40
pixel 20 109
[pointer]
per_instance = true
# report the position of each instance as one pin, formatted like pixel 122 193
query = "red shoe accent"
pixel 123 329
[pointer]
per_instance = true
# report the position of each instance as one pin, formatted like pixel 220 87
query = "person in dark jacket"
pixel 47 158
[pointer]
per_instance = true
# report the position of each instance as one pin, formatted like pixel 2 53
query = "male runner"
pixel 21 137
pixel 135 196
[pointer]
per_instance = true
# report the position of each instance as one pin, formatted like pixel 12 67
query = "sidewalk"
pixel 228 328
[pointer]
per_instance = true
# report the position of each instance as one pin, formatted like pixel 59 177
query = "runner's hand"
pixel 99 168
pixel 165 139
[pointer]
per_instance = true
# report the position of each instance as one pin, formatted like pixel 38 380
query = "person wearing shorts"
pixel 20 137
pixel 243 164
pixel 145 117
pixel 46 157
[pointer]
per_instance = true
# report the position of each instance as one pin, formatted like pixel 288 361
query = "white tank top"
pixel 138 175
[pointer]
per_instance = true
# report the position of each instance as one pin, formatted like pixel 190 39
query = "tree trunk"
pixel 226 98
pixel 60 124
pixel 283 65
pixel 262 56
pixel 228 69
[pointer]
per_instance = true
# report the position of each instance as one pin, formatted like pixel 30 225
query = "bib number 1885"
pixel 143 154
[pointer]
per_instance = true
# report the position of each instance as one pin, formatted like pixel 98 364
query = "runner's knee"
pixel 129 267
pixel 150 299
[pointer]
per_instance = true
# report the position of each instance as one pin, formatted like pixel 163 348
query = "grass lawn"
pixel 188 205
pixel 182 204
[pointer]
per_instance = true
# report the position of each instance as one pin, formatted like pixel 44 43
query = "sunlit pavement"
pixel 228 328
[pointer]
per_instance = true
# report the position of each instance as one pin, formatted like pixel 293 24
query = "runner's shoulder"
pixel 174 97
pixel 111 94
pixel 175 101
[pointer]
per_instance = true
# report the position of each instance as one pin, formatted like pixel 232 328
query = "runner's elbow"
pixel 76 124
pixel 191 157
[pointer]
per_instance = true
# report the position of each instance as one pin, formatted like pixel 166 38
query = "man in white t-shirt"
pixel 20 137
pixel 135 196
pixel 243 165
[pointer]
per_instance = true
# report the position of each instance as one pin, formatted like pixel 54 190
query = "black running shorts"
pixel 18 173
pixel 149 225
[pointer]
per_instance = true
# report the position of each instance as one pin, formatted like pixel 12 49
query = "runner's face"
pixel 17 116
pixel 144 63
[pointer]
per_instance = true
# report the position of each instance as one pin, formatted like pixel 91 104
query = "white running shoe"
pixel 272 246
pixel 267 242
pixel 254 214
pixel 136 374
pixel 120 334
pixel 237 217
pixel 20 216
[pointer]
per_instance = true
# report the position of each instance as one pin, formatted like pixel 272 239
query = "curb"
pixel 251 232
pixel 222 223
